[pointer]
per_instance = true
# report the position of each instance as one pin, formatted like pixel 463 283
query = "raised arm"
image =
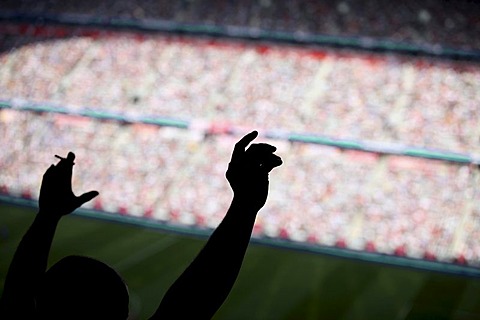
pixel 203 287
pixel 30 260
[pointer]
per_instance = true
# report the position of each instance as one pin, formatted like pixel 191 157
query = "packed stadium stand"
pixel 327 196
pixel 383 98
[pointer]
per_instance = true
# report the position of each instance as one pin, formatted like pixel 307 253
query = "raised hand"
pixel 30 260
pixel 205 284
pixel 56 195
pixel 249 168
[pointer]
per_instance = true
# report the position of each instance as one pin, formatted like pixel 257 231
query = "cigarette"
pixel 62 158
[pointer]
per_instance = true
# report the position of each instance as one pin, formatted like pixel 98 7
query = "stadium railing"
pixel 365 146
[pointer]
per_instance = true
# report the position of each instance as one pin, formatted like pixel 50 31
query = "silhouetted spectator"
pixel 84 288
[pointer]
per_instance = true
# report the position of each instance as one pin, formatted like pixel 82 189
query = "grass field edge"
pixel 168 227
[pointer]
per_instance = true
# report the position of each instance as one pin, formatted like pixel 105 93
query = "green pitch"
pixel 273 283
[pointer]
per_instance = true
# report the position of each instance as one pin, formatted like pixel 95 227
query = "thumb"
pixel 87 196
pixel 271 162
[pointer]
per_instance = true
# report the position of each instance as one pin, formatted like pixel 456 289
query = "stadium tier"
pixel 430 25
pixel 323 195
pixel 382 98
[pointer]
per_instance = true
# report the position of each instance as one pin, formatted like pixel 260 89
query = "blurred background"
pixel 373 106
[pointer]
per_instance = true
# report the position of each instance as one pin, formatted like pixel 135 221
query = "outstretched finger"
pixel 240 146
pixel 87 196
pixel 68 156
pixel 68 160
pixel 71 157
pixel 66 165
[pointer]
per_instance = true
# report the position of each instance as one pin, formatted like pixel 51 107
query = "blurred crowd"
pixel 321 195
pixel 429 23
pixel 381 98
pixel 362 201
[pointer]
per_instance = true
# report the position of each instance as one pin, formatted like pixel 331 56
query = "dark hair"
pixel 82 288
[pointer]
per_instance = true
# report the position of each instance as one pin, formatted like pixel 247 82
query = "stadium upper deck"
pixel 381 98
pixel 431 25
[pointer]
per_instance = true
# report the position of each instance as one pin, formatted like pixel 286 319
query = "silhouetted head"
pixel 82 288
